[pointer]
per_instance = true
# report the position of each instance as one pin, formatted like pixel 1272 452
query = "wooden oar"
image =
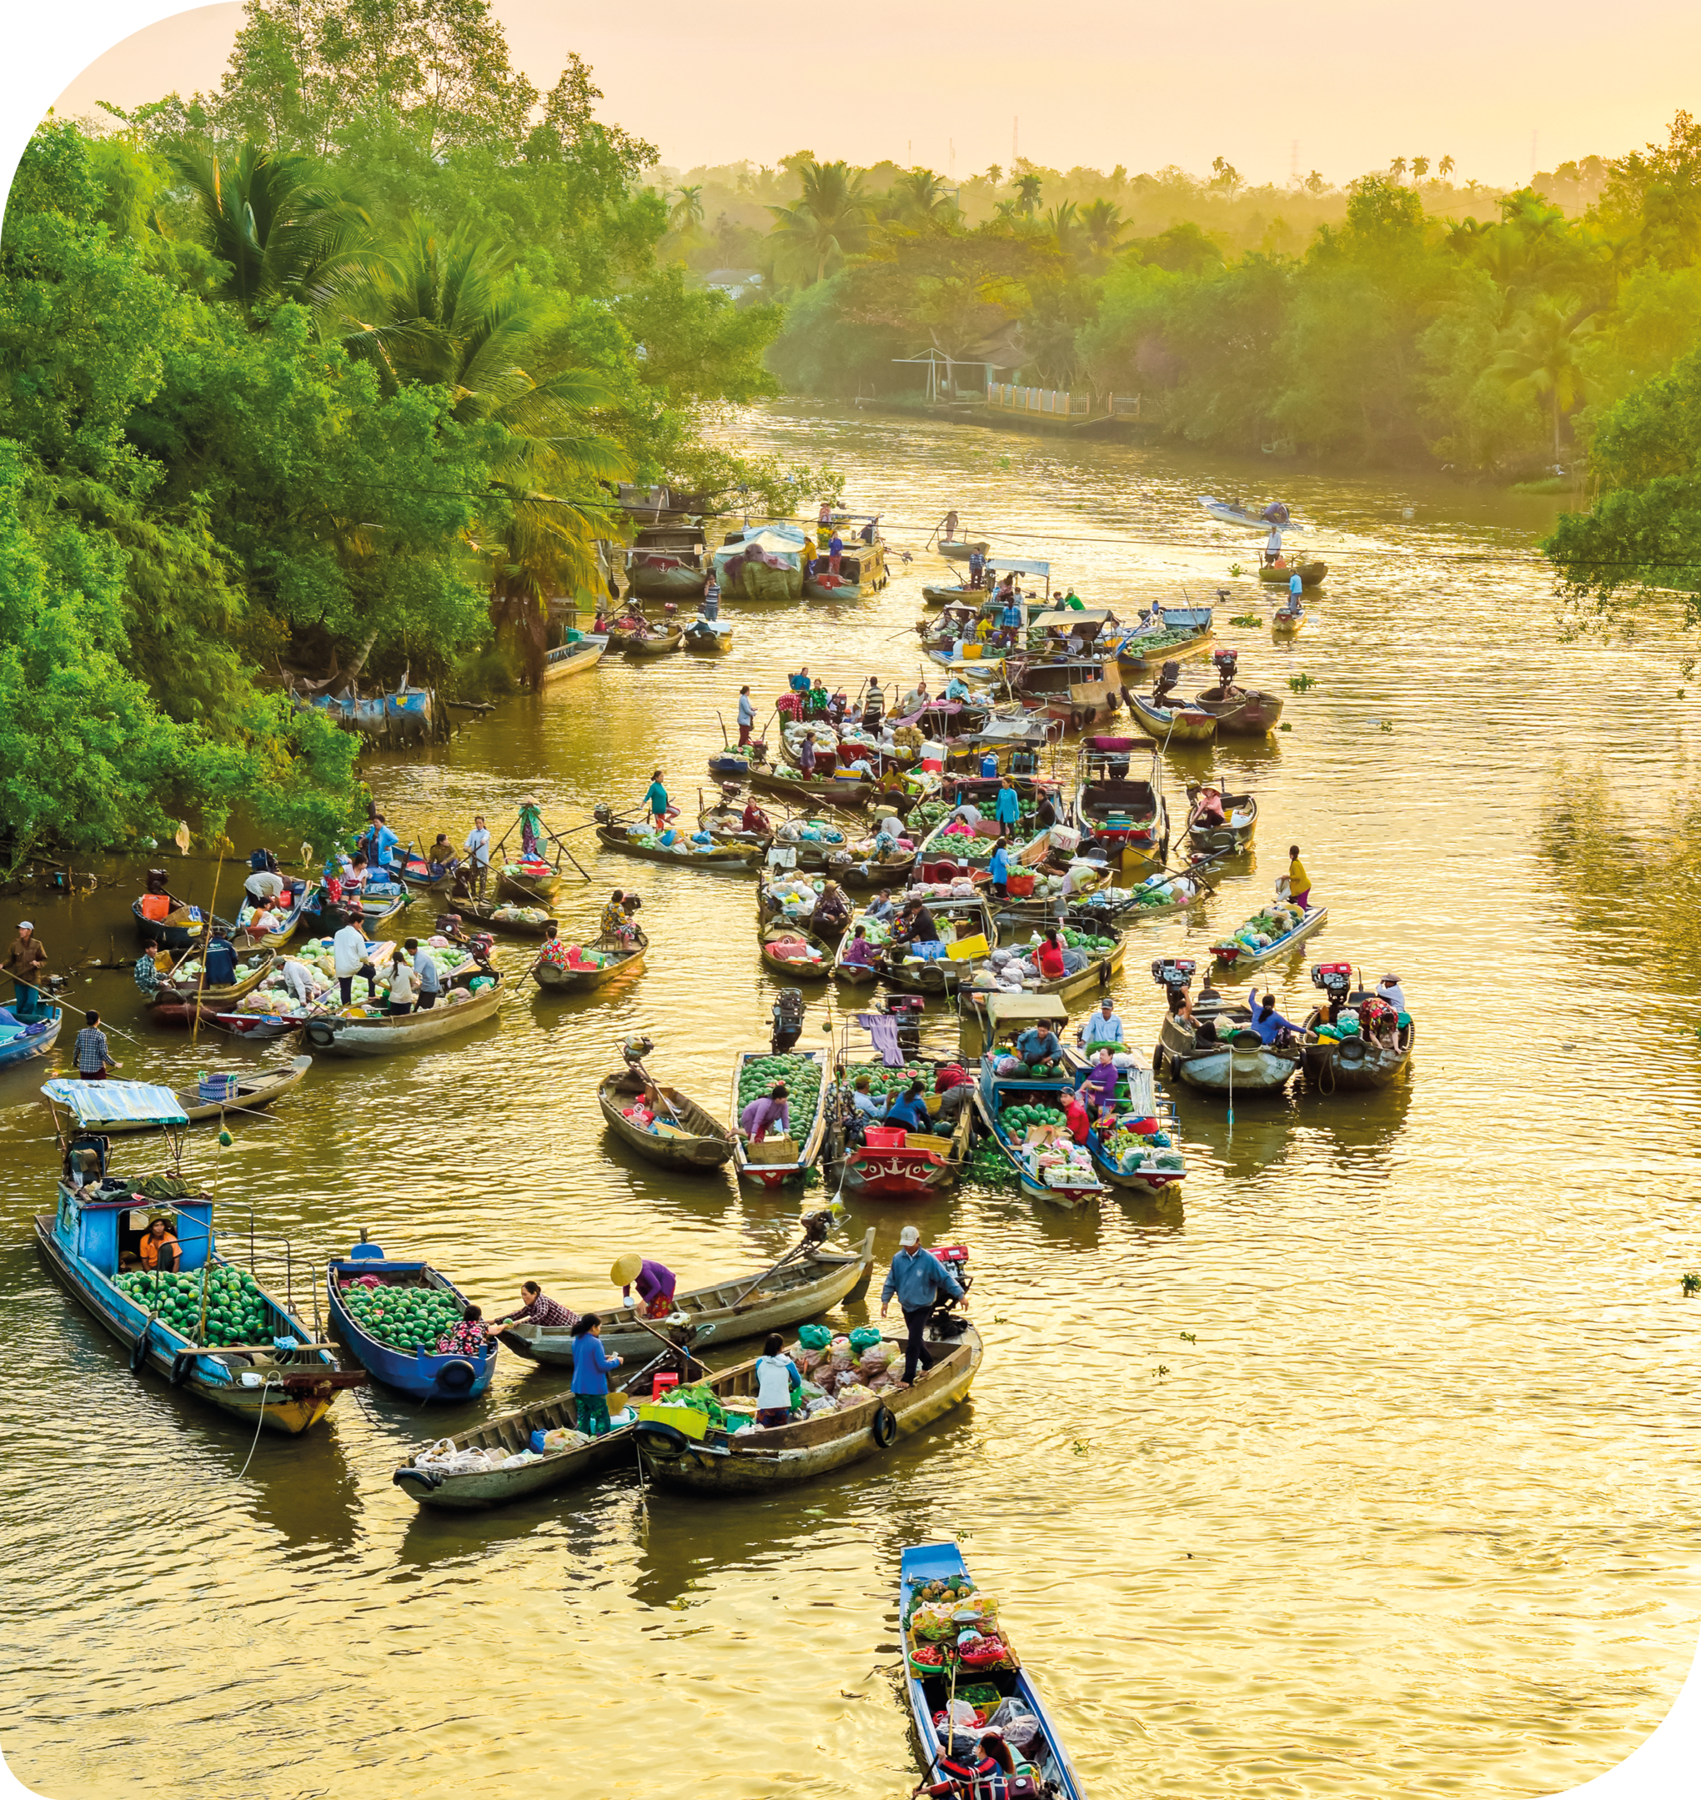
pixel 653 1086
pixel 790 1256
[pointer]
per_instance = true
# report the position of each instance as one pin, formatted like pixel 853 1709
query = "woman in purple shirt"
pixel 654 1281
pixel 762 1112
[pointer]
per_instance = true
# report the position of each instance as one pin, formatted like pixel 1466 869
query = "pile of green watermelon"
pixel 402 1318
pixel 801 1076
pixel 237 1312
pixel 882 1080
pixel 1017 1119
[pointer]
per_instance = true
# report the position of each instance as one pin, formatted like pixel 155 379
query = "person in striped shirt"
pixel 90 1052
pixel 538 1309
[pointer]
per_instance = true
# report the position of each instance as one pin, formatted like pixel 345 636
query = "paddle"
pixel 651 1086
pixel 791 1255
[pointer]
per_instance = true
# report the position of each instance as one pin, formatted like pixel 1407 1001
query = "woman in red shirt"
pixel 1076 1114
pixel 1051 956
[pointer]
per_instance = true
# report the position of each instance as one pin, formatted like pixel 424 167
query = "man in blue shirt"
pixel 917 1277
pixel 1014 616
pixel 977 564
pixel 746 715
pixel 1038 1045
pixel 380 840
pixel 1008 810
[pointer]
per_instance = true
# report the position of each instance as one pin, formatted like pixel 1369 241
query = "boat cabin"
pixel 1074 633
pixel 993 1022
pixel 1119 792
pixel 101 1218
pixel 998 567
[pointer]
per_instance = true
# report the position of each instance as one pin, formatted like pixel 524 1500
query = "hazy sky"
pixel 1091 81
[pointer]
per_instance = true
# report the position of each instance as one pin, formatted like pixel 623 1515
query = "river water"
pixel 1363 1471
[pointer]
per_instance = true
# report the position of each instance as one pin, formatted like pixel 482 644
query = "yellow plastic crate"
pixel 682 1418
pixel 966 948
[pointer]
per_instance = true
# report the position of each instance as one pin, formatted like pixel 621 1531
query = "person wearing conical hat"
pixel 655 1283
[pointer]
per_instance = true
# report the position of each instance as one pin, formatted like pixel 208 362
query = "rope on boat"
pixel 259 1420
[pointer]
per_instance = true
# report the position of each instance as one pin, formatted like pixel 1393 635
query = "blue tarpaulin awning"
pixel 97 1102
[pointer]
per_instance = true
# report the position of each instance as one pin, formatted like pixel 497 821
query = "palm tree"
pixel 282 233
pixel 1445 167
pixel 1028 195
pixel 1420 167
pixel 829 221
pixel 919 195
pixel 687 211
pixel 1397 168
pixel 439 316
pixel 1103 224
pixel 1062 224
pixel 1539 360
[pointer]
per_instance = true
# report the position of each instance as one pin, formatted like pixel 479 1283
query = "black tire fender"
pixel 428 1479
pixel 320 1035
pixel 456 1377
pixel 139 1351
pixel 667 1443
pixel 181 1364
pixel 885 1426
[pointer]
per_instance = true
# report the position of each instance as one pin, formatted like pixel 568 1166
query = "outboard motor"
pixel 729 791
pixel 636 1048
pixel 1167 679
pixel 905 1012
pixel 758 748
pixel 603 813
pixel 788 1020
pixel 946 1322
pixel 1174 974
pixel 1335 979
pixel 1227 662
pixel 479 948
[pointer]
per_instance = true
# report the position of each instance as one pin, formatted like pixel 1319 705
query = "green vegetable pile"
pixel 1083 940
pixel 882 1080
pixel 700 1399
pixel 1019 1118
pixel 237 1312
pixel 402 1318
pixel 801 1076
pixel 953 1587
pixel 990 1167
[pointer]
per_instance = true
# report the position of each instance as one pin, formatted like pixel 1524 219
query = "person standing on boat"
pixel 655 1282
pixel 835 549
pixel 401 984
pixel 800 683
pixel 92 1056
pixel 591 1364
pixel 348 952
pixel 1299 883
pixel 477 848
pixel 1008 809
pixel 746 715
pixel 26 960
pixel 536 1308
pixel 806 757
pixel 1273 546
pixel 999 870
pixel 1013 618
pixel 977 568
pixel 656 801
pixel 873 705
pixel 916 1279
pixel 772 1108
pixel 948 531
pixel 710 605
pixel 380 840
pixel 428 977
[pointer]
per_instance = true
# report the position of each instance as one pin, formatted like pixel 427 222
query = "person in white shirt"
pixel 1389 989
pixel 303 982
pixel 477 848
pixel 777 1381
pixel 401 983
pixel 263 885
pixel 1102 1027
pixel 746 716
pixel 1273 545
pixel 348 949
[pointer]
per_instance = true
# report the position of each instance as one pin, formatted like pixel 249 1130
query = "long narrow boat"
pixel 858 974
pixel 559 978
pixel 1166 725
pixel 684 1135
pixel 23 1040
pixel 936 1672
pixel 1241 950
pixel 753 1463
pixel 1170 634
pixel 662 644
pixel 1239 822
pixel 998 1095
pixel 1310 574
pixel 743 1306
pixel 725 859
pixel 1287 623
pixel 1354 1065
pixel 302 904
pixel 971 918
pixel 177 930
pixel 710 637
pixel 404 1031
pixel 1235 1061
pixel 95 1225
pixel 893 1164
pixel 179 998
pixel 834 790
pixel 531 884
pixel 520 1470
pixel 491 916
pixel 244 1094
pixel 795 954
pixel 775 1161
pixel 580 652
pixel 425 1374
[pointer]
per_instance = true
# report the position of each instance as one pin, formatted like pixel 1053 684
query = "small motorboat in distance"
pixel 1237 512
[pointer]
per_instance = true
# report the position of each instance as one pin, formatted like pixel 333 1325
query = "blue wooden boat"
pixel 729 766
pixel 1008 1014
pixel 423 1375
pixel 302 904
pixel 1013 1706
pixel 22 1040
pixel 282 1379
pixel 1136 1098
pixel 178 930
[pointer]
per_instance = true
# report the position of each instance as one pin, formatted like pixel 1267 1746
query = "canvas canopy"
pixel 1064 619
pixel 1006 565
pixel 95 1102
pixel 1023 1009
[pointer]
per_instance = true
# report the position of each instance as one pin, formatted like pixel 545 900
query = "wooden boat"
pixel 1095 977
pixel 415 872
pixel 178 997
pixel 666 563
pixel 565 981
pixel 1233 954
pixel 1240 821
pixel 727 859
pixel 378 907
pixel 662 643
pixel 177 930
pixel 688 1139
pixel 835 790
pixel 817 855
pixel 742 1306
pixel 423 1374
pixel 1236 1061
pixel 935 595
pixel 303 904
pixel 818 591
pixel 893 1163
pixel 1310 574
pixel 1166 725
pixel 722 1464
pixel 91 1229
pixel 799 965
pixel 511 1432
pixel 1006 1017
pixel 960 550
pixel 725 824
pixel 23 1040
pixel 775 1161
pixel 250 1093
pixel 404 1031
pixel 1357 1062
pixel 484 912
pixel 930 1690
pixel 581 651
pixel 1167 634
pixel 1136 1098
pixel 857 974
pixel 867 874
pixel 713 636
pixel 972 918
pixel 1121 809
pixel 1287 623
pixel 518 882
pixel 1239 712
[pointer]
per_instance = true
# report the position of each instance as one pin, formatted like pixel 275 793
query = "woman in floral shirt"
pixel 472 1337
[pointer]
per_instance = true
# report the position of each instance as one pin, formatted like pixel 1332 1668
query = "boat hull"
pixel 1310 574
pixel 560 667
pixel 709 1146
pixel 1255 715
pixel 250 1096
pixel 1336 1069
pixel 720 860
pixel 1172 725
pixel 1240 958
pixel 479 1492
pixel 407 1031
pixel 420 1376
pixel 27 1049
pixel 557 980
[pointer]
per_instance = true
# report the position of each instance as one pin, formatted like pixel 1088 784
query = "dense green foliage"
pixel 332 371
pixel 1407 328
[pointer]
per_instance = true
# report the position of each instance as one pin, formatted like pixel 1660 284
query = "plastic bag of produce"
pixel 864 1337
pixel 814 1337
